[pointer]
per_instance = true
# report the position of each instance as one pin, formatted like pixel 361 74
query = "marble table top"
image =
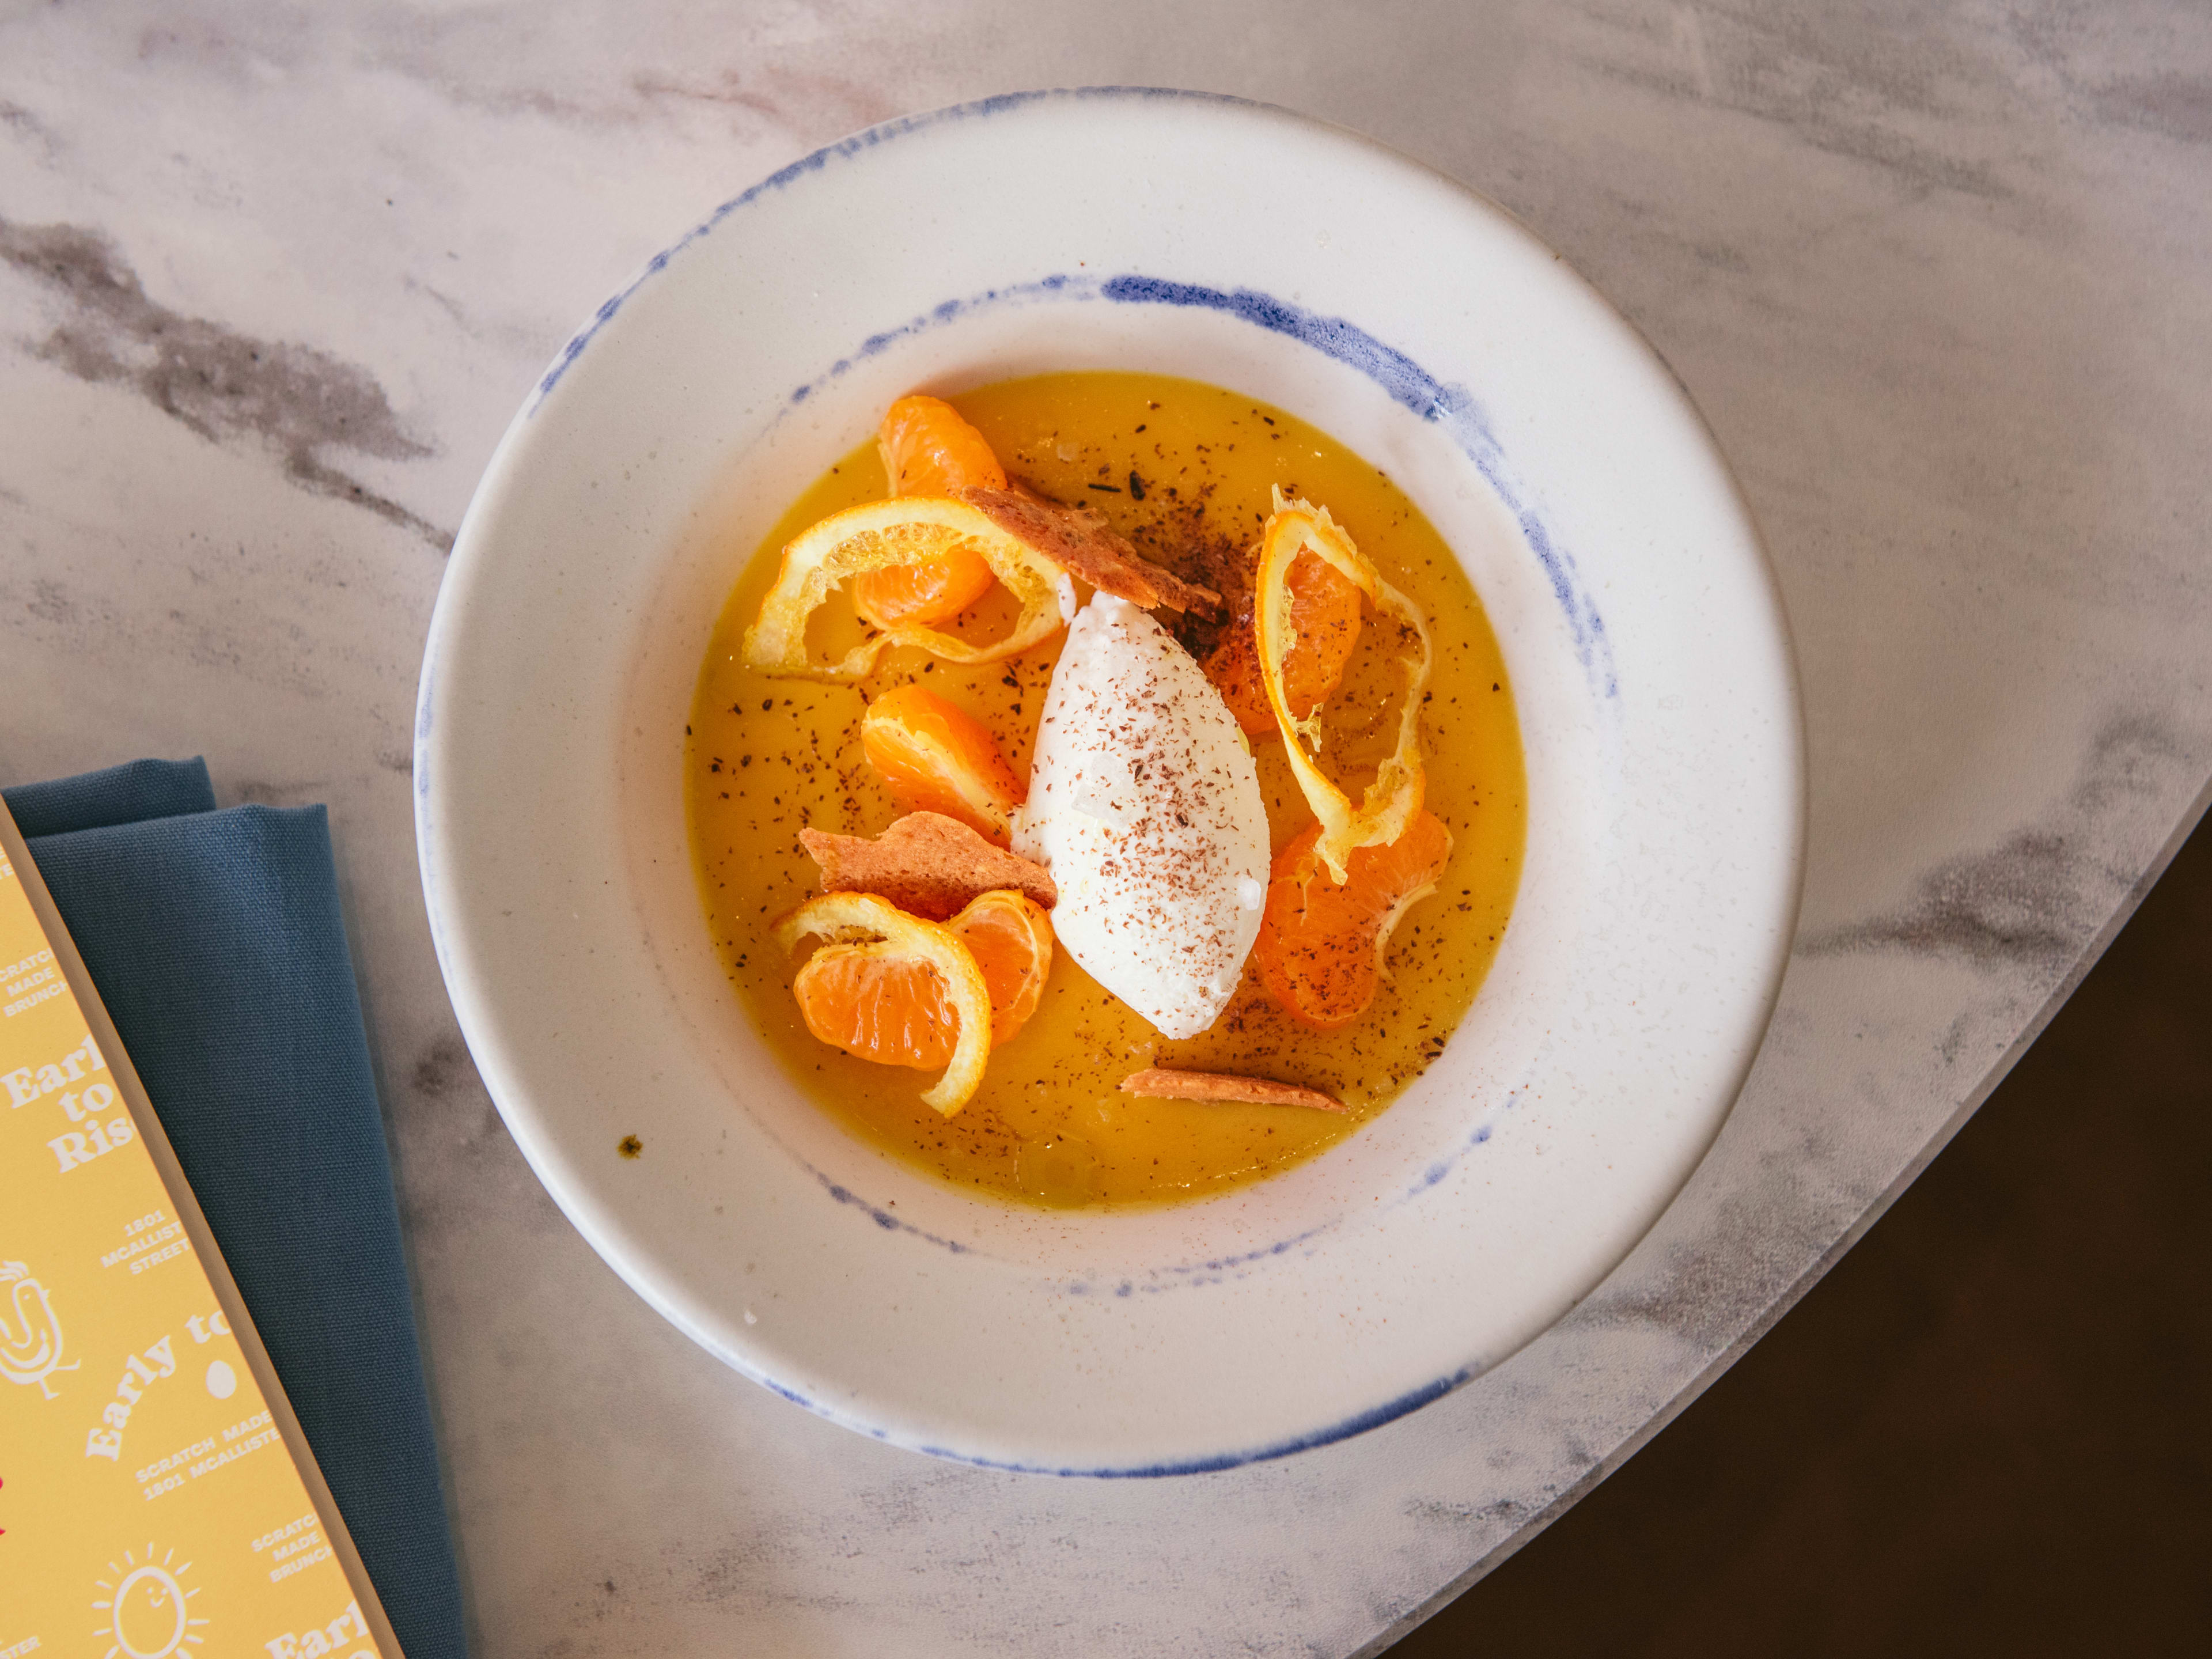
pixel 272 280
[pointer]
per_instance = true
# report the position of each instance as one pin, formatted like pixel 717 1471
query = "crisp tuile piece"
pixel 1163 1083
pixel 926 863
pixel 1079 543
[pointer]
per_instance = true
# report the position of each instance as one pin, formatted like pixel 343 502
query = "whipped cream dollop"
pixel 1145 803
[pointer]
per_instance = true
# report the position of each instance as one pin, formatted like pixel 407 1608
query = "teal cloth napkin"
pixel 216 942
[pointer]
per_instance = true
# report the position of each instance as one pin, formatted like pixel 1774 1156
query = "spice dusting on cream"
pixel 1145 803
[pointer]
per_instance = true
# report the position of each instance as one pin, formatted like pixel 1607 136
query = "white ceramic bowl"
pixel 1419 323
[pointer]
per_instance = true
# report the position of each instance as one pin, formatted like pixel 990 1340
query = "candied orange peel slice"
pixel 1325 611
pixel 1389 802
pixel 907 530
pixel 875 926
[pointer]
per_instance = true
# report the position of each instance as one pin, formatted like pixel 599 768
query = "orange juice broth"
pixel 1049 1125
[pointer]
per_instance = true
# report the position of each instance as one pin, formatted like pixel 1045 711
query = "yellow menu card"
pixel 156 1497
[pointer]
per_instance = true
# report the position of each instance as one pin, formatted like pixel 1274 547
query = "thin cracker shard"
pixel 1163 1083
pixel 926 863
pixel 1080 542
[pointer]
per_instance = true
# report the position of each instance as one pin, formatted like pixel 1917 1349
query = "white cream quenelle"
pixel 1145 803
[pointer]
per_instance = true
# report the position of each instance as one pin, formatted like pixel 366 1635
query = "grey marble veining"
pixel 1940 277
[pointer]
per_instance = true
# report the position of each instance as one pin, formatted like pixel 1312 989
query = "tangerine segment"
pixel 1294 529
pixel 884 1007
pixel 1324 631
pixel 1322 944
pixel 891 1009
pixel 875 934
pixel 929 449
pixel 936 758
pixel 877 536
pixel 1010 936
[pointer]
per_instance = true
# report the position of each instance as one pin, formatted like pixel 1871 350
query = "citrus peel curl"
pixel 866 925
pixel 1389 801
pixel 907 530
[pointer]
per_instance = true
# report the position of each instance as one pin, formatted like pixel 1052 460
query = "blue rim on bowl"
pixel 1660 709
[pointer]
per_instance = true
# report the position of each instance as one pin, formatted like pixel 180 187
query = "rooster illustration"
pixel 30 1343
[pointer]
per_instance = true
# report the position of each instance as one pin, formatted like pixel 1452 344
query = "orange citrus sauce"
pixel 766 758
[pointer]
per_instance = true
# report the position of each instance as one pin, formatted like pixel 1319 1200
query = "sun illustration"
pixel 147 1614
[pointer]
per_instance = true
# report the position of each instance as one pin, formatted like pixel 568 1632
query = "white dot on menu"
pixel 221 1381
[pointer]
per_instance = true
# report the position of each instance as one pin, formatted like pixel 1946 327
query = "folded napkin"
pixel 215 940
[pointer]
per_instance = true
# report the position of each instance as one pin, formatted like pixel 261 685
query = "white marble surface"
pixel 272 281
